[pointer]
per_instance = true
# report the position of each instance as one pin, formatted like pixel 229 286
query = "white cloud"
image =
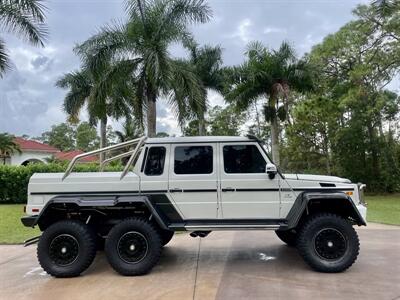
pixel 271 29
pixel 30 103
pixel 243 31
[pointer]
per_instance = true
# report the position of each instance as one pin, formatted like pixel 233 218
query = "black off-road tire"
pixel 328 243
pixel 166 236
pixel 287 236
pixel 133 247
pixel 66 248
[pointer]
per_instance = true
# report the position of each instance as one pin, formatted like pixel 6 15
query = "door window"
pixel 155 161
pixel 193 160
pixel 243 159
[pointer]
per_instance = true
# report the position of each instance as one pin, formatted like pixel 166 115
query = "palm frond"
pixel 4 60
pixel 136 8
pixel 24 18
pixel 102 47
pixel 173 17
pixel 36 8
pixel 187 95
pixel 79 84
pixel 255 50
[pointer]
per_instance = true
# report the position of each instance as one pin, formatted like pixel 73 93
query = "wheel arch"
pixel 308 203
pixel 60 207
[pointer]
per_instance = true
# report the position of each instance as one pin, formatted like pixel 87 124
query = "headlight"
pixel 361 188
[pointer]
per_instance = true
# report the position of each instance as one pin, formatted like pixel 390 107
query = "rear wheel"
pixel 166 236
pixel 328 243
pixel 66 248
pixel 133 247
pixel 287 236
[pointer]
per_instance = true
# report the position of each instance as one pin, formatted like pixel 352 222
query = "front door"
pixel 245 188
pixel 193 179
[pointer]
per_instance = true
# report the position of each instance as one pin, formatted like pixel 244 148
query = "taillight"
pixel 24 209
pixel 35 209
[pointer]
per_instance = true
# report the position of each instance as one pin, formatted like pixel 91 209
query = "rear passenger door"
pixel 193 179
pixel 246 190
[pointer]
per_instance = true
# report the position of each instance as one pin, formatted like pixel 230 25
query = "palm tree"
pixel 102 91
pixel 207 61
pixel 131 130
pixel 271 75
pixel 385 7
pixel 139 49
pixel 7 146
pixel 24 18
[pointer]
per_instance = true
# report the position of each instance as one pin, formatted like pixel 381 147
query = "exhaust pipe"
pixel 201 234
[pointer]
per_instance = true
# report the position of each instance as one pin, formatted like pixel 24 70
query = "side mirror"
pixel 271 170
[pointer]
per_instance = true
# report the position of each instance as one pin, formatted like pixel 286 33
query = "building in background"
pixel 31 152
pixel 35 152
pixel 68 156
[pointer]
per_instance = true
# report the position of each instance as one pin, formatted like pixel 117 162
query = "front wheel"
pixel 328 243
pixel 133 247
pixel 66 248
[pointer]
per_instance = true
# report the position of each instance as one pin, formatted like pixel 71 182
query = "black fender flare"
pixel 304 199
pixel 152 202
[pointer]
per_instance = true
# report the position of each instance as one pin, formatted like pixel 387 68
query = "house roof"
pixel 29 145
pixel 71 154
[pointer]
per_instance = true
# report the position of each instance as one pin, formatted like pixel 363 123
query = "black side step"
pixel 32 241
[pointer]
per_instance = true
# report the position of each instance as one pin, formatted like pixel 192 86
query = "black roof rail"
pixel 253 137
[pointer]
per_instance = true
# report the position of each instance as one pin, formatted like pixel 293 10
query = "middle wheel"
pixel 133 247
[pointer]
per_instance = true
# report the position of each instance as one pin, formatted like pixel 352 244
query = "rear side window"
pixel 193 160
pixel 243 159
pixel 155 161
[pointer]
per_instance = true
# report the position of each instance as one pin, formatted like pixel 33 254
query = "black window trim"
pixel 144 159
pixel 165 158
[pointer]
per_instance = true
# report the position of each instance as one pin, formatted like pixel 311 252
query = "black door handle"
pixel 229 189
pixel 176 190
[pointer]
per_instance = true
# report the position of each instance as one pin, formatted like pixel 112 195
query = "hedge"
pixel 14 179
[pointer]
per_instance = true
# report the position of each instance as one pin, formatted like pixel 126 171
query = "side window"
pixel 243 159
pixel 193 160
pixel 155 161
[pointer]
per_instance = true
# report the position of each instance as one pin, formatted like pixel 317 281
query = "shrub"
pixel 14 179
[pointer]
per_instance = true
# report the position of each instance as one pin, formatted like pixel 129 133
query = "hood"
pixel 316 178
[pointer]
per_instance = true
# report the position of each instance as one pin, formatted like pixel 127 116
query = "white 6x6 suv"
pixel 196 184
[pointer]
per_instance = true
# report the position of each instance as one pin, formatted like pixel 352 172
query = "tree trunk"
pixel 202 124
pixel 103 137
pixel 274 133
pixel 374 150
pixel 151 116
pixel 275 140
pixel 257 120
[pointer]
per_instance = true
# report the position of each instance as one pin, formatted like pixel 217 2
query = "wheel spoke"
pixel 64 249
pixel 330 244
pixel 132 247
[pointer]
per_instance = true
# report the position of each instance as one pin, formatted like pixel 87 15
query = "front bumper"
pixel 362 209
pixel 29 221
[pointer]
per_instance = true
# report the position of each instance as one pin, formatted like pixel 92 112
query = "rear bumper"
pixel 29 221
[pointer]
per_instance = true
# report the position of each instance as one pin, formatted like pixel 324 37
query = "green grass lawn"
pixel 381 209
pixel 11 229
pixel 384 209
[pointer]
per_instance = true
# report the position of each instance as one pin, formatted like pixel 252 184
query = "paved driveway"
pixel 225 265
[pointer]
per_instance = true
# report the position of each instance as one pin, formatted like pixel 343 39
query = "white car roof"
pixel 198 139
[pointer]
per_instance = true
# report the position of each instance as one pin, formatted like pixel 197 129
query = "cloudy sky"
pixel 30 103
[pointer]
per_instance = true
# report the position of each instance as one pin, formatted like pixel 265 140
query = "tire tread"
pixel 303 242
pixel 83 231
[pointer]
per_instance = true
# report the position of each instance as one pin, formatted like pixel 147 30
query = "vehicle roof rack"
pixel 132 153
